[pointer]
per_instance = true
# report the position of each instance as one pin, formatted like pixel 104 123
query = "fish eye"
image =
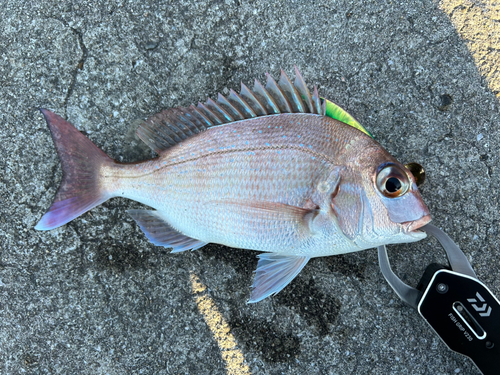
pixel 392 181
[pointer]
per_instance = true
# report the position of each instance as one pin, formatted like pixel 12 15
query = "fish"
pixel 274 169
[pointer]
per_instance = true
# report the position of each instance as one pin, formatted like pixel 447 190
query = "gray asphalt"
pixel 94 297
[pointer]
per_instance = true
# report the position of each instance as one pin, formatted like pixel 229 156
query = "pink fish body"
pixel 244 173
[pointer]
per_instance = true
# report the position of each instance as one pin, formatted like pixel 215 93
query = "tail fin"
pixel 81 161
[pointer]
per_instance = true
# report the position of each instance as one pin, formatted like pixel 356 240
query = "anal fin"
pixel 160 233
pixel 274 272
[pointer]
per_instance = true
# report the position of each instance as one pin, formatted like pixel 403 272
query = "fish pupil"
pixel 393 184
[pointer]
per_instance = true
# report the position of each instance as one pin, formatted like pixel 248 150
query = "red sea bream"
pixel 273 169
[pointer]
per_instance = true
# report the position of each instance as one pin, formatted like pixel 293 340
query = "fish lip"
pixel 410 227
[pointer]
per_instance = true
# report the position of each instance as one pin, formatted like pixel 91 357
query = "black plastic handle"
pixel 466 315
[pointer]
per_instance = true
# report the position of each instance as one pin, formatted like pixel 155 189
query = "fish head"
pixel 378 202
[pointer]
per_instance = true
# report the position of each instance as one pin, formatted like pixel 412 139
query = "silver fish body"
pixel 264 184
pixel 296 185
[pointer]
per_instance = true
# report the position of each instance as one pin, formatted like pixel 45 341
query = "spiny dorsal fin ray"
pixel 221 112
pixel 291 93
pixel 238 100
pixel 304 91
pixel 317 102
pixel 280 98
pixel 174 125
pixel 266 98
pixel 252 101
pixel 229 107
pixel 210 115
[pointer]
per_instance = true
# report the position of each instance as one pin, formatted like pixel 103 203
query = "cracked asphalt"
pixel 95 297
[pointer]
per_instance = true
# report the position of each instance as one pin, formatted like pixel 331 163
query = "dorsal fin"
pixel 174 125
pixel 296 103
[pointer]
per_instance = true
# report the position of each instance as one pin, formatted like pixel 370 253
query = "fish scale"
pixel 275 169
pixel 279 159
pixel 212 167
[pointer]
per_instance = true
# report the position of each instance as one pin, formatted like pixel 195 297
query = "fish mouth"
pixel 411 227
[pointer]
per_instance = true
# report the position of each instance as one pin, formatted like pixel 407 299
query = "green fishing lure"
pixel 340 114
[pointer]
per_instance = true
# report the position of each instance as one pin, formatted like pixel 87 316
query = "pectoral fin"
pixel 274 272
pixel 266 211
pixel 160 233
pixel 274 210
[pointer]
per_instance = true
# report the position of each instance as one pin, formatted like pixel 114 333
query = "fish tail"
pixel 80 189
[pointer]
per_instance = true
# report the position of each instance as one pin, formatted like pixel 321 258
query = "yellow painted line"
pixel 478 23
pixel 235 361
